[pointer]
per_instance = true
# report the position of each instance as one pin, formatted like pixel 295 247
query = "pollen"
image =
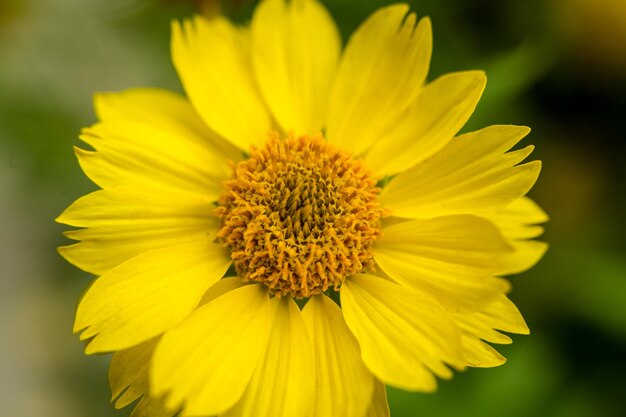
pixel 300 216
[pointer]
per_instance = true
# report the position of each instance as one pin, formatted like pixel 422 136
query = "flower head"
pixel 367 242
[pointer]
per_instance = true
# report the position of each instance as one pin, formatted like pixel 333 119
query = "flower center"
pixel 300 216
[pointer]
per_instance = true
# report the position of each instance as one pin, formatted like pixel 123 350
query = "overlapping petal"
pixel 472 175
pixel 406 338
pixel 147 295
pixel 171 112
pixel 295 61
pixel 121 223
pixel 520 219
pixel 437 113
pixel 338 364
pixel 453 258
pixel 482 326
pixel 206 363
pixel 128 373
pixel 519 224
pixel 221 287
pixel 379 406
pixel 283 383
pixel 153 140
pixel 129 376
pixel 150 407
pixel 212 58
pixel 383 66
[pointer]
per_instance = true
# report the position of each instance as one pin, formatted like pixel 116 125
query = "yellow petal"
pixel 122 223
pixel 169 112
pixel 472 175
pixel 382 68
pixel 295 51
pixel 283 384
pixel 379 406
pixel 221 287
pixel 212 58
pixel 518 220
pixel 518 223
pixel 129 376
pixel 453 258
pixel 154 140
pixel 405 337
pixel 500 314
pixel 206 363
pixel 479 354
pixel 438 112
pixel 147 295
pixel 482 326
pixel 125 206
pixel 128 373
pixel 151 407
pixel 526 254
pixel 344 384
pixel 129 370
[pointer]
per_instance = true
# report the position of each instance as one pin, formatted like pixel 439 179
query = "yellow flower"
pixel 367 243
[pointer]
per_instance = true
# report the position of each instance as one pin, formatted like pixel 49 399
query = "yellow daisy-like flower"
pixel 305 228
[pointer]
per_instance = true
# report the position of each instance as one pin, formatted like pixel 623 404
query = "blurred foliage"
pixel 556 65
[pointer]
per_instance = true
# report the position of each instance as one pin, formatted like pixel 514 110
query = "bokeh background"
pixel 556 65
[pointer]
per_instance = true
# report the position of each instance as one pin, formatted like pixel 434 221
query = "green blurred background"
pixel 558 66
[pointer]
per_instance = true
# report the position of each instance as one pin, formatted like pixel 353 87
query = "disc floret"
pixel 300 216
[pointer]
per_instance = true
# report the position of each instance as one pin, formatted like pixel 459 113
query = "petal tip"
pixel 93 347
